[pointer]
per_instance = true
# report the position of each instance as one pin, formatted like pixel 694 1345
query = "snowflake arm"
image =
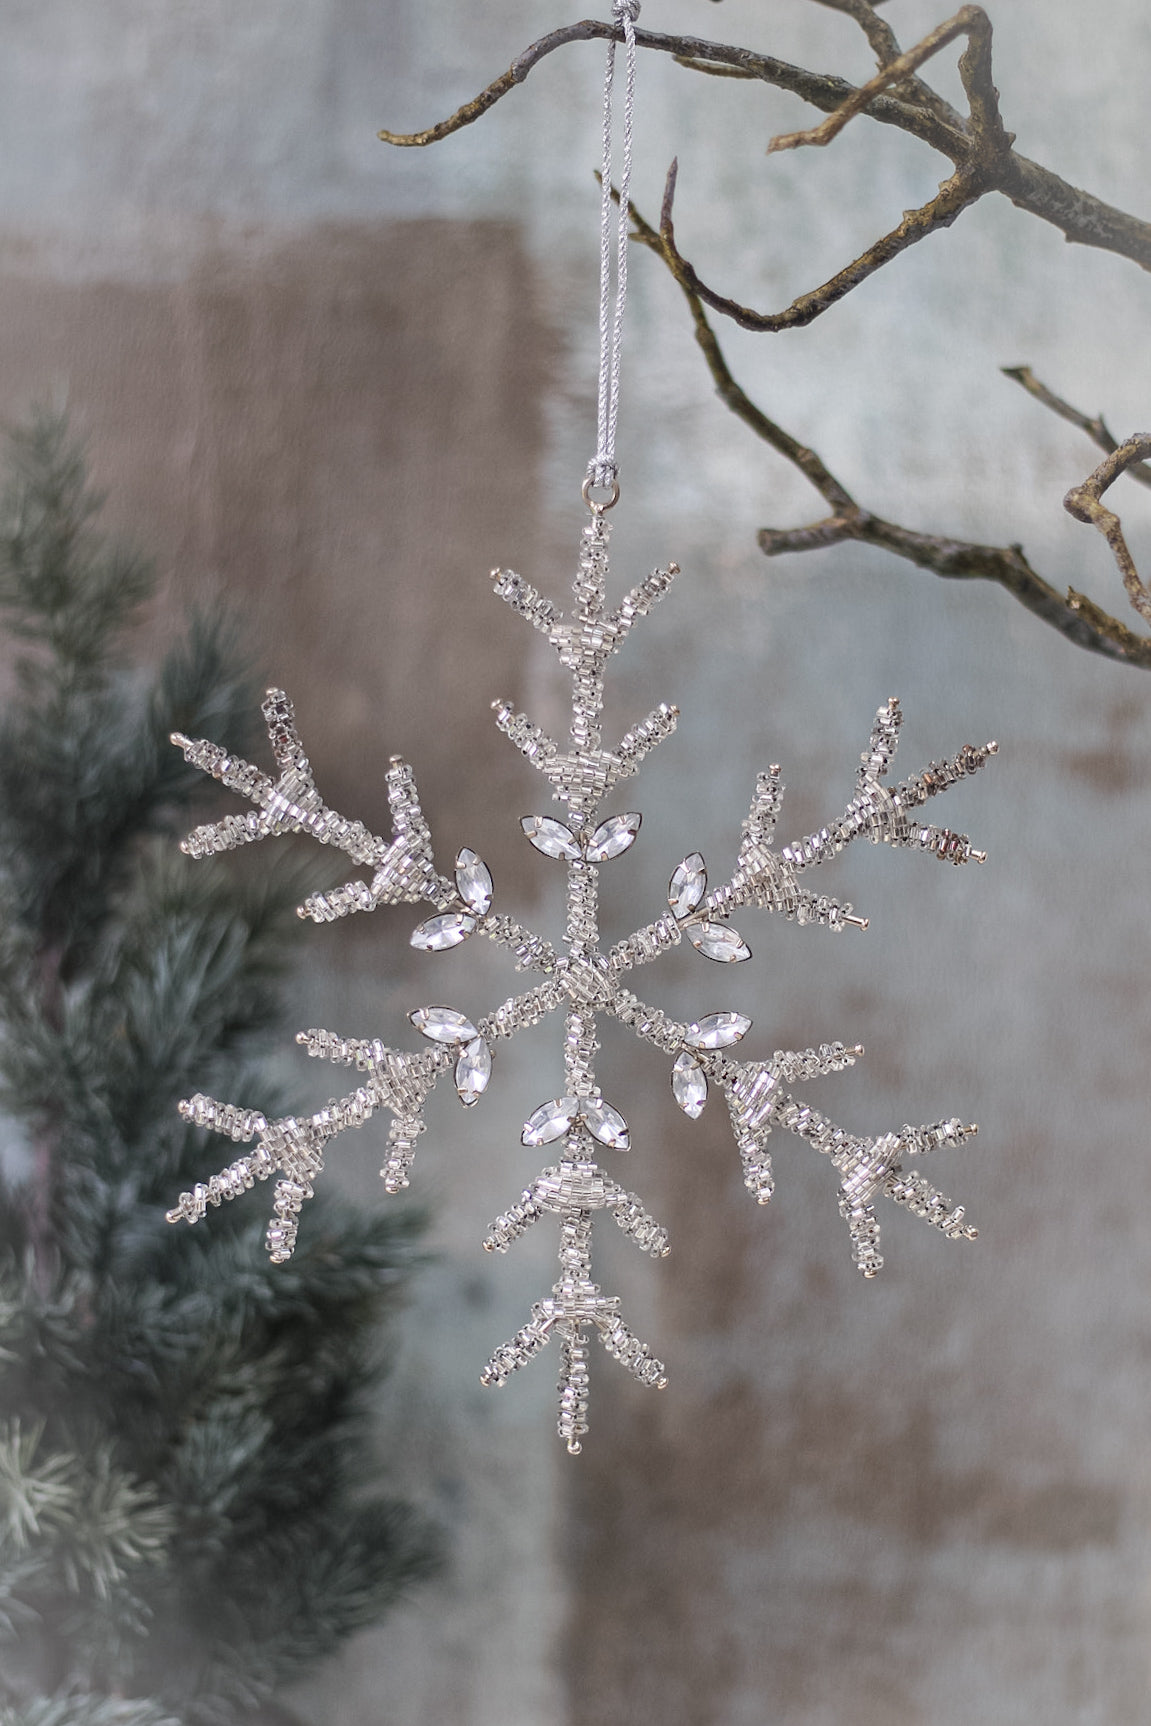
pixel 881 815
pixel 766 879
pixel 404 867
pixel 293 1147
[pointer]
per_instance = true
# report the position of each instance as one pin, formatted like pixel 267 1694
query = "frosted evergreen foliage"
pixel 189 1516
pixel 579 981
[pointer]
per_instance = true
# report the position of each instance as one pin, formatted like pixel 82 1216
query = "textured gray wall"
pixel 347 382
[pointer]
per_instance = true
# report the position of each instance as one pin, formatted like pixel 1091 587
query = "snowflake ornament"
pixel 580 980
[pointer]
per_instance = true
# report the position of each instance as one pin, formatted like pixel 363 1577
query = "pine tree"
pixel 187 1515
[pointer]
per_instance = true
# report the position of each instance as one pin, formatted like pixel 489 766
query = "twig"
pixel 885 46
pixel 1084 503
pixel 954 196
pixel 879 33
pixel 988 138
pixel 1074 616
pixel 1096 428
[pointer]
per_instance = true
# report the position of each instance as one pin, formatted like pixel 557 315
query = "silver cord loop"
pixel 603 473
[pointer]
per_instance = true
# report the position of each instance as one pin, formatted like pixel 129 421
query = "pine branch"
pixel 61 585
pixel 87 1710
pixel 191 1442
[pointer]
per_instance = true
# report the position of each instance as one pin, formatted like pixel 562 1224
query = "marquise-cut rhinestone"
pixel 689 1085
pixel 473 1070
pixel 717 1030
pixel 717 941
pixel 551 837
pixel 613 837
pixel 443 1025
pixel 474 881
pixel 606 1124
pixel 440 933
pixel 550 1121
pixel 687 885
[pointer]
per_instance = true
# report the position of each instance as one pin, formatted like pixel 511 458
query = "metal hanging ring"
pixel 599 505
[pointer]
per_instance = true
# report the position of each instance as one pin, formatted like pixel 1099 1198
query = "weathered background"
pixel 343 382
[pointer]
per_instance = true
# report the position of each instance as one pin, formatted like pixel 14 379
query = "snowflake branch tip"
pixel 917 1141
pixel 525 600
pixel 240 1176
pixel 519 1349
pixel 643 597
pixel 637 744
pixel 639 1226
pixel 573 1387
pixel 532 742
pixel 925 1201
pixel 623 1345
pixel 759 827
pixel 883 742
pixel 791 1064
pixel 343 1051
pixel 226 1118
pixel 404 867
pixel 402 1136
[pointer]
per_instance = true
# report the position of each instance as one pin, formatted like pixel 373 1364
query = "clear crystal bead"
pixel 717 1030
pixel 551 837
pixel 473 1070
pixel 689 1085
pixel 550 1121
pixel 613 837
pixel 755 1095
pixel 443 1025
pixel 688 885
pixel 439 933
pixel 606 1124
pixel 717 941
pixel 474 880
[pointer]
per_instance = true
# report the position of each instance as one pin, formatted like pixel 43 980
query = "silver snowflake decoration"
pixel 582 981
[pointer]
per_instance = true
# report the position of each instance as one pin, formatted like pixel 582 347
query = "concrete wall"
pixel 345 383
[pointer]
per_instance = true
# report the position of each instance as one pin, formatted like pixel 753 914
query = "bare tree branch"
pixel 1096 428
pixel 1084 503
pixel 1079 215
pixel 821 90
pixel 981 150
pixel 1075 616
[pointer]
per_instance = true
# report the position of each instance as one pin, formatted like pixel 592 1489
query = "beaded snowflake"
pixel 582 980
